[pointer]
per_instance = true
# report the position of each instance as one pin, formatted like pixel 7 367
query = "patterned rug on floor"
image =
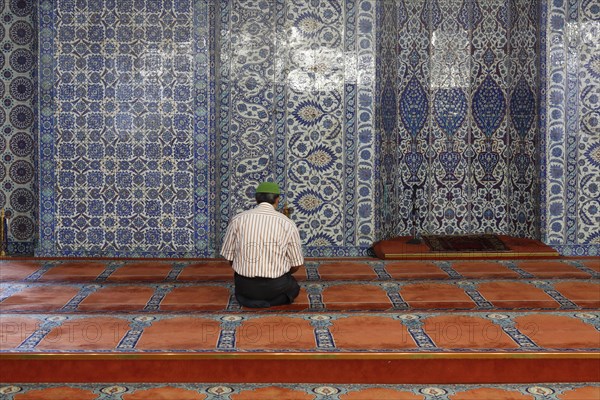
pixel 141 391
pixel 465 243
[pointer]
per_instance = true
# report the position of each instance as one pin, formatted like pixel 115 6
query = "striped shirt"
pixel 262 242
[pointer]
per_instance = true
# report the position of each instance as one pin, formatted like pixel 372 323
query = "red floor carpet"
pixel 356 322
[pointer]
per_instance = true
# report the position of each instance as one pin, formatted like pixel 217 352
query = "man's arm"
pixel 295 269
pixel 229 241
pixel 294 250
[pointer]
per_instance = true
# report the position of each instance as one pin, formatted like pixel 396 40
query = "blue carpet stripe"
pixel 176 270
pixel 315 297
pixel 515 268
pixel 84 292
pixel 159 294
pixel 579 265
pixel 379 269
pixel 521 339
pixel 9 290
pixel 471 290
pixel 556 295
pixel 232 303
pixel 42 331
pixel 108 271
pixel 312 271
pixel 447 268
pixel 40 272
pixel 227 337
pixel 133 335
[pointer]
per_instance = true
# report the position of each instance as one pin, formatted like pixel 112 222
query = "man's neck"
pixel 272 205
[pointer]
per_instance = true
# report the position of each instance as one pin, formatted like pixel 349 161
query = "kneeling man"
pixel 263 247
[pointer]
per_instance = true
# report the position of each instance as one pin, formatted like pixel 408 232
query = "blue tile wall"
pixel 158 118
pixel 467 106
pixel 387 186
pixel 137 162
pixel 570 200
pixel 17 120
pixel 126 143
pixel 297 106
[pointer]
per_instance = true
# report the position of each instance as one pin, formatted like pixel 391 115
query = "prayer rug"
pixel 465 243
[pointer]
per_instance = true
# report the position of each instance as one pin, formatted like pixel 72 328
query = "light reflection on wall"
pixel 317 68
pixel 450 59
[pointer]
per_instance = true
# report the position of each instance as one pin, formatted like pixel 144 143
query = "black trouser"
pixel 275 291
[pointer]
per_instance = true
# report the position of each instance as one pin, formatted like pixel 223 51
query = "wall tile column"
pixel 571 118
pixel 18 41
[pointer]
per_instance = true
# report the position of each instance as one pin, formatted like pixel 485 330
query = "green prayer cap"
pixel 268 187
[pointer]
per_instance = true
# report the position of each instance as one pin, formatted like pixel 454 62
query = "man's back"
pixel 262 243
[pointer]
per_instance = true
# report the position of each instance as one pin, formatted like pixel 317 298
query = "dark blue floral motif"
pixel 365 25
pixel 309 24
pixel 309 202
pixel 489 57
pixel 21 144
pixel 557 22
pixel 21 60
pixel 95 179
pixel 152 208
pixel 96 33
pixel 489 106
pixel 21 88
pixel 66 179
pixel 431 15
pixel 22 200
pixel 556 209
pixel 21 33
pixel 96 208
pixel 488 161
pixel 502 16
pixel 413 58
pixel 450 109
pixel 522 107
pixel 402 14
pixel 522 162
pixel 556 172
pixel 388 107
pixel 21 8
pixel 413 161
pixel 449 161
pixel 593 66
pixel 591 9
pixel 66 236
pixel 365 211
pixel 21 171
pixel 592 154
pixel 470 15
pixel 321 157
pixel 321 240
pixel 414 107
pixel 308 113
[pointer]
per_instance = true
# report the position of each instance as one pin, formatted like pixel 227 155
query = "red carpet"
pixel 356 321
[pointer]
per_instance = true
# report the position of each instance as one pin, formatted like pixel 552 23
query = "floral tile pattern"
pixel 123 166
pixel 571 152
pixel 17 121
pixel 298 108
pixel 141 130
